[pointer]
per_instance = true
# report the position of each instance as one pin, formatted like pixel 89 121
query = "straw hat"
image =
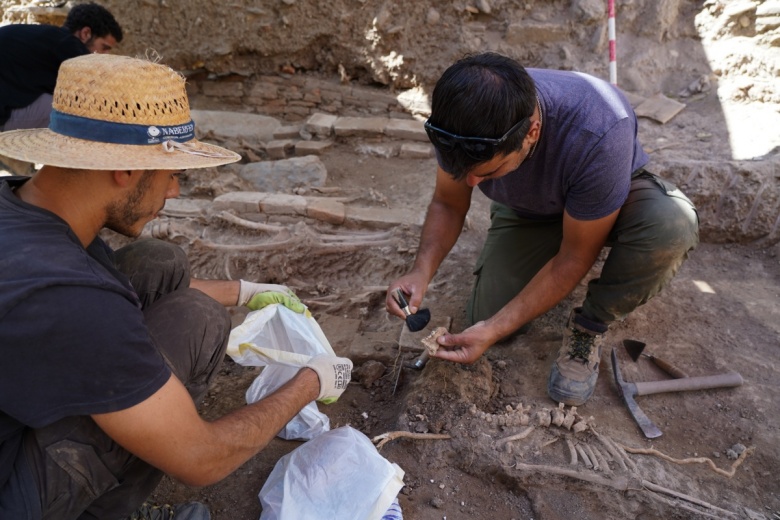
pixel 116 113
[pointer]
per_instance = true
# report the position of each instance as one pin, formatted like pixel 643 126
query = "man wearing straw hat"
pixel 103 354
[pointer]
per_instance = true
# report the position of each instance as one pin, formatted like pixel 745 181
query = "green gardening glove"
pixel 289 300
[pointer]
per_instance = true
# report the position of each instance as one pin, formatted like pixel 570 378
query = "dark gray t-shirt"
pixel 73 338
pixel 587 152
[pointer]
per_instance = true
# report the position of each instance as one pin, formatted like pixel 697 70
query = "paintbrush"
pixel 417 321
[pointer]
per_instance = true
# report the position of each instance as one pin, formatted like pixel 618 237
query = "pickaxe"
pixel 628 391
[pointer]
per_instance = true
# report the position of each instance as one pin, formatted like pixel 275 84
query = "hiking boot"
pixel 188 511
pixel 574 372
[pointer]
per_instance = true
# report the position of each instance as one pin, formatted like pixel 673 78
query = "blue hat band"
pixel 118 133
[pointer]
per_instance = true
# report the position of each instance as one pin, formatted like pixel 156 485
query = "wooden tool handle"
pixel 689 383
pixel 668 368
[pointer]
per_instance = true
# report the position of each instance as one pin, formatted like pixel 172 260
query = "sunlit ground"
pixel 754 127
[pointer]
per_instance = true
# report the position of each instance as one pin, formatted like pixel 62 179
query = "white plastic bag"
pixel 282 341
pixel 339 474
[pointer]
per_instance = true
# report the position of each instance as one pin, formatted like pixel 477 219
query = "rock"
pixel 484 6
pixel 286 174
pixel 589 10
pixel 369 372
pixel 234 125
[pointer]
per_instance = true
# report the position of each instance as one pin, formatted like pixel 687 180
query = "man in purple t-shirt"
pixel 557 153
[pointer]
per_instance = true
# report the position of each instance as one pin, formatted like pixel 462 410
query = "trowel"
pixel 635 349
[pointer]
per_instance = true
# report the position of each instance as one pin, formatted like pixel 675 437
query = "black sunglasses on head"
pixel 479 148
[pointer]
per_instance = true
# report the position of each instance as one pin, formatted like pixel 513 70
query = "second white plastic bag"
pixel 338 475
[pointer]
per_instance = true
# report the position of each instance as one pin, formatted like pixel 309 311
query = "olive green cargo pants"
pixel 656 229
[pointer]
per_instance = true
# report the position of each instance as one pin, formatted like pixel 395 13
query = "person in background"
pixel 31 56
pixel 105 355
pixel 557 152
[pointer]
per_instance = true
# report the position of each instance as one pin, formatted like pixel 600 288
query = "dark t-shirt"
pixel 29 61
pixel 586 154
pixel 73 340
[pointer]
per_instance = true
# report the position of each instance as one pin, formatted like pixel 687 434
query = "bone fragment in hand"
pixel 430 341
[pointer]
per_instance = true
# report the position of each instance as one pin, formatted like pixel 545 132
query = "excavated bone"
pixel 568 419
pixel 580 426
pixel 572 452
pixel 430 343
pixel 591 456
pixel 543 418
pixel 583 456
pixel 558 415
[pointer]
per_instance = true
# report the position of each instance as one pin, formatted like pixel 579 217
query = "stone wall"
pixel 294 97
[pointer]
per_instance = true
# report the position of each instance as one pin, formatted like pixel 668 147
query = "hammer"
pixel 628 391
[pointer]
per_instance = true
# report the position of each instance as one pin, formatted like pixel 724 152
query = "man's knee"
pixel 150 253
pixel 155 268
pixel 191 330
pixel 676 224
pixel 189 312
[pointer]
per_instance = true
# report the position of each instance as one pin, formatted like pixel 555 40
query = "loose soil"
pixel 719 314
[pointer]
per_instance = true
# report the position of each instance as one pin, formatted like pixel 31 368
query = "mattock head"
pixel 628 391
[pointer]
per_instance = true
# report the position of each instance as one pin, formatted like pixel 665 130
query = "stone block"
pixel 235 125
pixel 223 89
pixel 278 149
pixel 529 32
pixel 239 201
pixel 381 217
pixel 283 204
pixel 263 91
pixel 416 151
pixel 326 210
pixel 409 129
pixel 299 113
pixel 285 175
pixel 186 207
pixel 312 147
pixel 360 126
pixel 320 125
pixel 410 341
pixel 365 95
pixel 288 132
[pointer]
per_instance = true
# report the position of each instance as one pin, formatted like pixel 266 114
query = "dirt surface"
pixel 719 314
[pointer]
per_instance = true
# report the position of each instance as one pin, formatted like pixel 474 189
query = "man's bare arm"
pixel 443 222
pixel 224 291
pixel 582 242
pixel 443 225
pixel 166 431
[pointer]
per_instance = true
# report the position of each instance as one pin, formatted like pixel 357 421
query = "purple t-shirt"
pixel 586 154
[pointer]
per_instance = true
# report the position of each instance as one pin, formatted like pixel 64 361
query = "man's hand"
pixel 413 284
pixel 334 374
pixel 467 346
pixel 288 300
pixel 259 295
